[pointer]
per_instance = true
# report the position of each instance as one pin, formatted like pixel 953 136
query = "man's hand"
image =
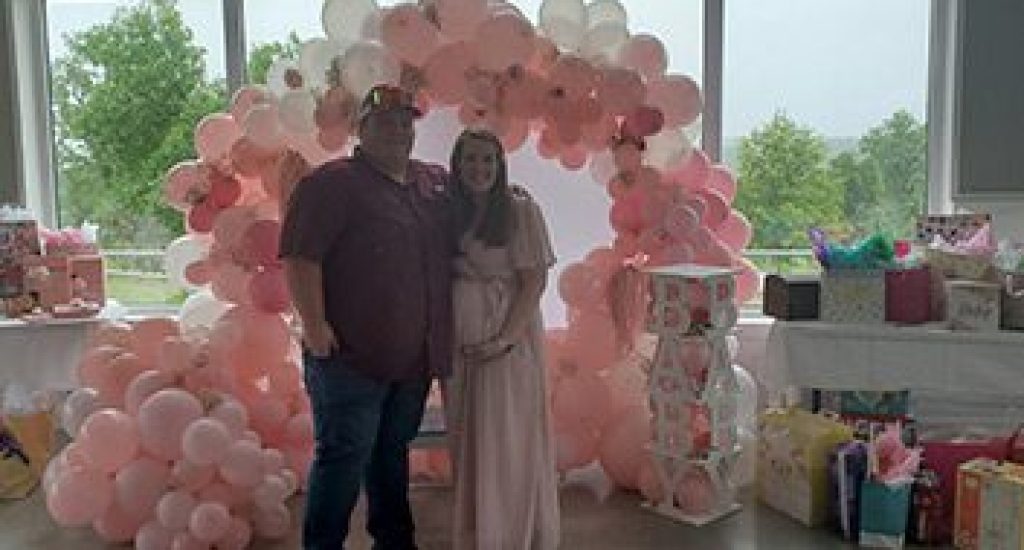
pixel 487 351
pixel 319 339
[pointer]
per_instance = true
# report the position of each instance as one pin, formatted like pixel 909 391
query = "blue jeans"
pixel 363 428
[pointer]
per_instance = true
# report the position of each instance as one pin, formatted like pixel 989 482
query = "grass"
pixel 129 290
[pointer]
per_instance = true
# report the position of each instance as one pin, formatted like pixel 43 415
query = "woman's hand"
pixel 319 339
pixel 487 351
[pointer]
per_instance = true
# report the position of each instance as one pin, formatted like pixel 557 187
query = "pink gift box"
pixel 908 295
pixel 87 279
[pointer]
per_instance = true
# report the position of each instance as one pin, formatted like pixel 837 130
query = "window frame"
pixel 34 136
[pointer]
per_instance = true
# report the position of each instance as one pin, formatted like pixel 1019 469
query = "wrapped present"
pixel 854 296
pixel 88 281
pixel 908 295
pixel 847 468
pixel 48 280
pixel 1012 306
pixel 19 238
pixel 866 404
pixel 928 520
pixel 792 297
pixel 950 227
pixel 989 505
pixel 973 305
pixel 884 510
pixel 793 447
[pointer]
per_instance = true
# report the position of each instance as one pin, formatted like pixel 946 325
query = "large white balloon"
pixel 201 311
pixel 366 64
pixel 296 111
pixel 343 20
pixel 315 59
pixel 600 12
pixel 180 253
pixel 747 398
pixel 564 22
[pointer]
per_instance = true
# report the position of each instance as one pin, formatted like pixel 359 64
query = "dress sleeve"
pixel 530 245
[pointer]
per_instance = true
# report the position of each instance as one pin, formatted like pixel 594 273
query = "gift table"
pixel 927 359
pixel 43 355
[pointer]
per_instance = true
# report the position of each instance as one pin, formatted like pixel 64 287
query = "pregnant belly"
pixel 480 308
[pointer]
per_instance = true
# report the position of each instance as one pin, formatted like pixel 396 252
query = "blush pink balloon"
pixel 645 54
pixel 504 40
pixel 188 476
pixel 214 136
pixel 245 98
pixel 408 34
pixel 153 536
pixel 233 415
pixel 114 380
pixel 268 290
pixel 140 484
pixel 270 492
pixel 299 430
pixel 116 525
pixel 643 121
pixel 721 179
pixel 572 406
pixel 185 541
pixel 79 496
pixel 92 366
pixel 735 231
pixel 242 466
pixel 148 334
pixel 677 97
pixel 210 521
pixel 649 482
pixel 260 241
pixel 620 90
pixel 459 19
pixel 109 440
pixel 717 209
pixel 238 536
pixel 175 509
pixel 446 70
pixel 575 447
pixel 181 184
pixel 575 157
pixel 163 418
pixel 201 217
pixel 593 342
pixel 273 522
pixel 622 447
pixel 696 494
pixel 111 334
pixel 225 190
pixel 692 172
pixel 206 441
pixel 748 282
pixel 626 214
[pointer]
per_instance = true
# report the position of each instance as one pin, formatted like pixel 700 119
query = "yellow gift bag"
pixel 792 461
pixel 26 444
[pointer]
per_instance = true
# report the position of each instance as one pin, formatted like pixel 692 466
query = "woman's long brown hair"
pixel 496 224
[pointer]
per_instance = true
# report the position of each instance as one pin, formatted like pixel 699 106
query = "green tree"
pixel 263 56
pixel 885 180
pixel 785 186
pixel 127 98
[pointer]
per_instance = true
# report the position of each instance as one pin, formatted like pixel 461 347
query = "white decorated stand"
pixel 692 383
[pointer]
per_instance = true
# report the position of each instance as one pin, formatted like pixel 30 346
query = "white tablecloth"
pixel 884 357
pixel 44 355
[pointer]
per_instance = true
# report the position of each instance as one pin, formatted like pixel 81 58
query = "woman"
pixel 505 479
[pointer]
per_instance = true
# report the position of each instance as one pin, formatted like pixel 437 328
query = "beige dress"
pixel 503 455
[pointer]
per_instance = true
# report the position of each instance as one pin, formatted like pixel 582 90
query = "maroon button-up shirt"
pixel 385 249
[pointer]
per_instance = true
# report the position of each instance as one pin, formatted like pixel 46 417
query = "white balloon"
pixel 746 399
pixel 296 111
pixel 367 64
pixel 744 468
pixel 602 43
pixel 201 311
pixel 315 59
pixel 600 12
pixel 564 22
pixel 666 148
pixel 180 253
pixel 78 405
pixel 281 76
pixel 343 20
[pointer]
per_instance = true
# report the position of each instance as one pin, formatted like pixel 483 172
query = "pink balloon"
pixel 228 495
pixel 215 135
pixel 721 179
pixel 580 283
pixel 620 90
pixel 140 484
pixel 206 441
pixel 696 494
pixel 148 334
pixel 626 214
pixel 286 380
pixel 459 19
pixel 238 536
pixel 677 97
pixel 503 40
pixel 230 284
pixel 185 541
pixel 111 334
pixel 260 240
pixel 233 415
pixel 446 70
pixel 571 77
pixel 201 217
pixel 175 356
pixel 593 341
pixel 579 401
pixel 225 190
pixel 79 496
pixel 188 476
pixel 268 415
pixel 108 439
pixel 116 525
pixel 245 98
pixel 182 183
pixel 645 54
pixel 299 430
pixel 270 492
pixel 79 404
pixel 163 418
pixel 153 536
pixel 692 173
pixel 174 510
pixel 575 447
pixel 272 523
pixel 643 121
pixel 93 365
pixel 243 464
pixel 622 447
pixel 574 157
pixel 262 127
pixel 114 380
pixel 748 282
pixel 210 521
pixel 735 231
pixel 627 155
pixel 407 33
pixel 268 291
pixel 649 482
pixel 717 209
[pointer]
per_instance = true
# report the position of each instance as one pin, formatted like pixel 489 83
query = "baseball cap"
pixel 384 97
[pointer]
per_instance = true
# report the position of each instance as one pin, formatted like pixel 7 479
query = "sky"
pixel 839 66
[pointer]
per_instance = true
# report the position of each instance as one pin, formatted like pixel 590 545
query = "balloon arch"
pixel 198 429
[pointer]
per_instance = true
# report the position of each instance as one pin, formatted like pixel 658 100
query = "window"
pixel 129 81
pixel 824 116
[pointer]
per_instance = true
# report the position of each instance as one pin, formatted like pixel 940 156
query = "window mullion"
pixel 711 121
pixel 234 44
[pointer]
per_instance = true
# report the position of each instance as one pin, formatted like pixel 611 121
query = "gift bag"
pixel 847 468
pixel 908 295
pixel 989 506
pixel 926 510
pixel 884 510
pixel 26 445
pixel 793 447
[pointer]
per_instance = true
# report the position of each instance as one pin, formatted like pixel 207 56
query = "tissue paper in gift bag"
pixel 884 510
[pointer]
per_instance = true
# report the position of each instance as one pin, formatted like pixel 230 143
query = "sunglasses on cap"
pixel 384 97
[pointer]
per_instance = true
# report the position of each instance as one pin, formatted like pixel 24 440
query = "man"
pixel 367 256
